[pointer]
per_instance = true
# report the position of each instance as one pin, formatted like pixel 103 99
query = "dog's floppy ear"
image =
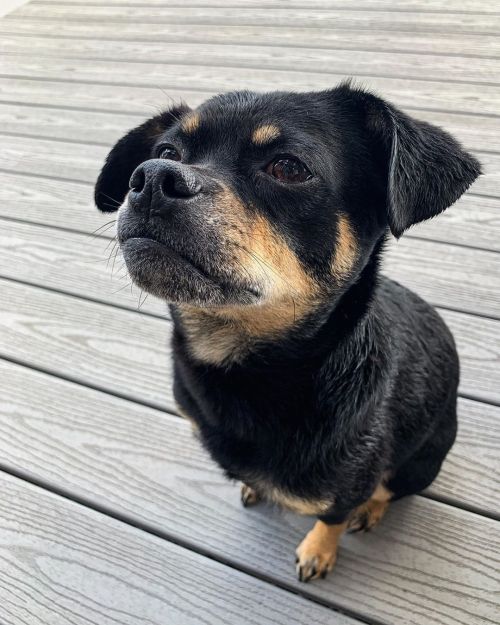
pixel 130 151
pixel 427 170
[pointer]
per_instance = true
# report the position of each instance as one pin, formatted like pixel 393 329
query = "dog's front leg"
pixel 317 553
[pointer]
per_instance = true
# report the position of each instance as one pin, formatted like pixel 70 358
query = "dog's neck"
pixel 224 338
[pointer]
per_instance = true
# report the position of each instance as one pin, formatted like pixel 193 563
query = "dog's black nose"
pixel 155 183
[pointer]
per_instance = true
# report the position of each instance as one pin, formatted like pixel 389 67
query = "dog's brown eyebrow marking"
pixel 265 134
pixel 191 122
pixel 346 250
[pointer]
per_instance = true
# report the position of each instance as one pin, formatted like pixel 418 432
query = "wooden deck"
pixel 110 512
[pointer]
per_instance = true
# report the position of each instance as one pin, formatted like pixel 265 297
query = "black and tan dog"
pixel 261 219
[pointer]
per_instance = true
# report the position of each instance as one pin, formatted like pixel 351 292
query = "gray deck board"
pixel 63 563
pixel 417 21
pixel 425 93
pixel 86 378
pixel 363 63
pixel 151 469
pixel 442 43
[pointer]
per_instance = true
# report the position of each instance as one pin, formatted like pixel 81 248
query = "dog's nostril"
pixel 137 181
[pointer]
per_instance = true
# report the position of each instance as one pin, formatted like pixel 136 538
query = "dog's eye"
pixel 169 152
pixel 288 169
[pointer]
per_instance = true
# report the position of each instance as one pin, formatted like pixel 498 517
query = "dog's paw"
pixel 310 564
pixel 367 516
pixel 249 496
pixel 317 553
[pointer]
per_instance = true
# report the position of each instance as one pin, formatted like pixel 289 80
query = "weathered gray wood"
pixel 435 563
pixel 288 17
pixel 363 63
pixel 79 264
pixel 447 275
pixel 117 350
pixel 470 472
pixel 446 6
pixel 128 353
pixel 437 43
pixel 82 265
pixel 58 203
pixel 63 563
pixel 473 220
pixel 106 127
pixel 428 94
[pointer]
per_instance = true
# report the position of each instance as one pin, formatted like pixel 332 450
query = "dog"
pixel 261 219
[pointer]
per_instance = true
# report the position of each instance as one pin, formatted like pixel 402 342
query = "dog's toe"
pixel 249 496
pixel 312 566
pixel 312 562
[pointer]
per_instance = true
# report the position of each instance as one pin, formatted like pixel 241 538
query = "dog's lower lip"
pixel 206 276
pixel 172 252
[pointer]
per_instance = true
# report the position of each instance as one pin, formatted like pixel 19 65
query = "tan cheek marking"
pixel 265 134
pixel 346 250
pixel 228 333
pixel 191 122
pixel 272 259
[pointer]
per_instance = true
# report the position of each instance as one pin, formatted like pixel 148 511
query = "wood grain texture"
pixel 447 275
pixel 120 351
pixel 442 43
pixel 74 263
pixel 364 63
pixel 63 563
pixel 427 94
pixel 107 347
pixel 437 564
pixel 469 475
pixel 289 17
pixel 106 127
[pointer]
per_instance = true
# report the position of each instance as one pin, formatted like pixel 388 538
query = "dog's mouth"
pixel 166 272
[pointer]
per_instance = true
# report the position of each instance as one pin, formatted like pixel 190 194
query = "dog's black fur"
pixel 360 387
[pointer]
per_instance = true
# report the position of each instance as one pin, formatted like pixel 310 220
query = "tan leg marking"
pixel 370 513
pixel 317 553
pixel 249 496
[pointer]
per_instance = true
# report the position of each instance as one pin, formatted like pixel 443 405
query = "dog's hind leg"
pixel 370 513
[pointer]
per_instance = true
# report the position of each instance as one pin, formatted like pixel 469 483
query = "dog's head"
pixel 268 200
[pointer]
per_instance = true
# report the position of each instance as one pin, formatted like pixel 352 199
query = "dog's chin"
pixel 163 272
